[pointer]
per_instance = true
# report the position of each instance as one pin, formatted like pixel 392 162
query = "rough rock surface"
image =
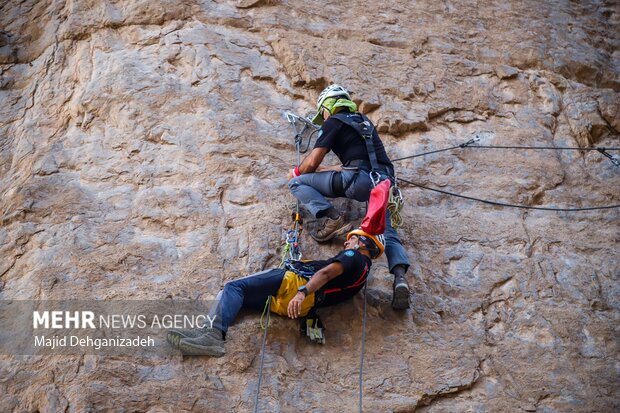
pixel 143 154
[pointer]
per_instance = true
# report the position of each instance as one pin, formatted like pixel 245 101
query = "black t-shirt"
pixel 355 272
pixel 347 144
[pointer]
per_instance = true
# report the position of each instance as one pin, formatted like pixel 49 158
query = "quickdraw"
pixel 291 251
pixel 307 131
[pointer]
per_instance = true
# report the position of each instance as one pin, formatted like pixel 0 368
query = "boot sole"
pixel 174 340
pixel 190 349
pixel 174 337
pixel 401 298
pixel 345 228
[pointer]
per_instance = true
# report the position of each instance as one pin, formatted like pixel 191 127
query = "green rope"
pixel 267 311
pixel 285 251
pixel 262 351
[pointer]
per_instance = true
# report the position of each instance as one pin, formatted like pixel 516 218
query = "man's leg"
pixel 398 263
pixel 248 292
pixel 396 254
pixel 311 190
pixel 175 335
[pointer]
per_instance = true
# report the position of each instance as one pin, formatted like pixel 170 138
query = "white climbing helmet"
pixel 330 92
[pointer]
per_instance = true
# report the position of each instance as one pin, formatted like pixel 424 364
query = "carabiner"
pixel 399 195
pixel 375 181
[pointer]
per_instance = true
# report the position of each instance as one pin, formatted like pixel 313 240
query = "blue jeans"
pixel 312 189
pixel 247 292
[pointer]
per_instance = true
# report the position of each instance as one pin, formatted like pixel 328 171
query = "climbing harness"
pixel 289 288
pixel 366 130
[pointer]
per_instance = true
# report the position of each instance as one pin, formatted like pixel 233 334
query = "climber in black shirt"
pixel 311 182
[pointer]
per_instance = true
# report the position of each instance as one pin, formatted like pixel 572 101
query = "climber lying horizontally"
pixel 295 290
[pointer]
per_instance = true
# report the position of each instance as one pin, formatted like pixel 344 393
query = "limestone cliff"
pixel 143 154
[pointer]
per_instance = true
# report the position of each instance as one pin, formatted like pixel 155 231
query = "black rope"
pixel 502 204
pixel 426 153
pixel 363 347
pixel 299 134
pixel 262 356
pixel 467 146
pixel 309 141
pixel 557 148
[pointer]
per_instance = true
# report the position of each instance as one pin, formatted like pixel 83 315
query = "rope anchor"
pixel 612 158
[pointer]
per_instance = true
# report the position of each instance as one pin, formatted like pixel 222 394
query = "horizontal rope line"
pixel 502 204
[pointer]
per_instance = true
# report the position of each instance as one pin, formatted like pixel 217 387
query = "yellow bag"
pixel 286 292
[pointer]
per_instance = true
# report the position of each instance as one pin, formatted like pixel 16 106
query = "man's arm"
pixel 319 279
pixel 325 141
pixel 312 161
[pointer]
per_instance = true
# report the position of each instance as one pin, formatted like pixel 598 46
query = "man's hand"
pixel 294 306
pixel 319 279
pixel 293 173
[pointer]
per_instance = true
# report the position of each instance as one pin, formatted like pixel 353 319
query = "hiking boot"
pixel 331 229
pixel 175 335
pixel 210 343
pixel 400 300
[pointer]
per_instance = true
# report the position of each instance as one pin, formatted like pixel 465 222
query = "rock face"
pixel 143 155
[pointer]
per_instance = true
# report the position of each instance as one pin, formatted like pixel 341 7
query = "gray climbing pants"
pixel 313 189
